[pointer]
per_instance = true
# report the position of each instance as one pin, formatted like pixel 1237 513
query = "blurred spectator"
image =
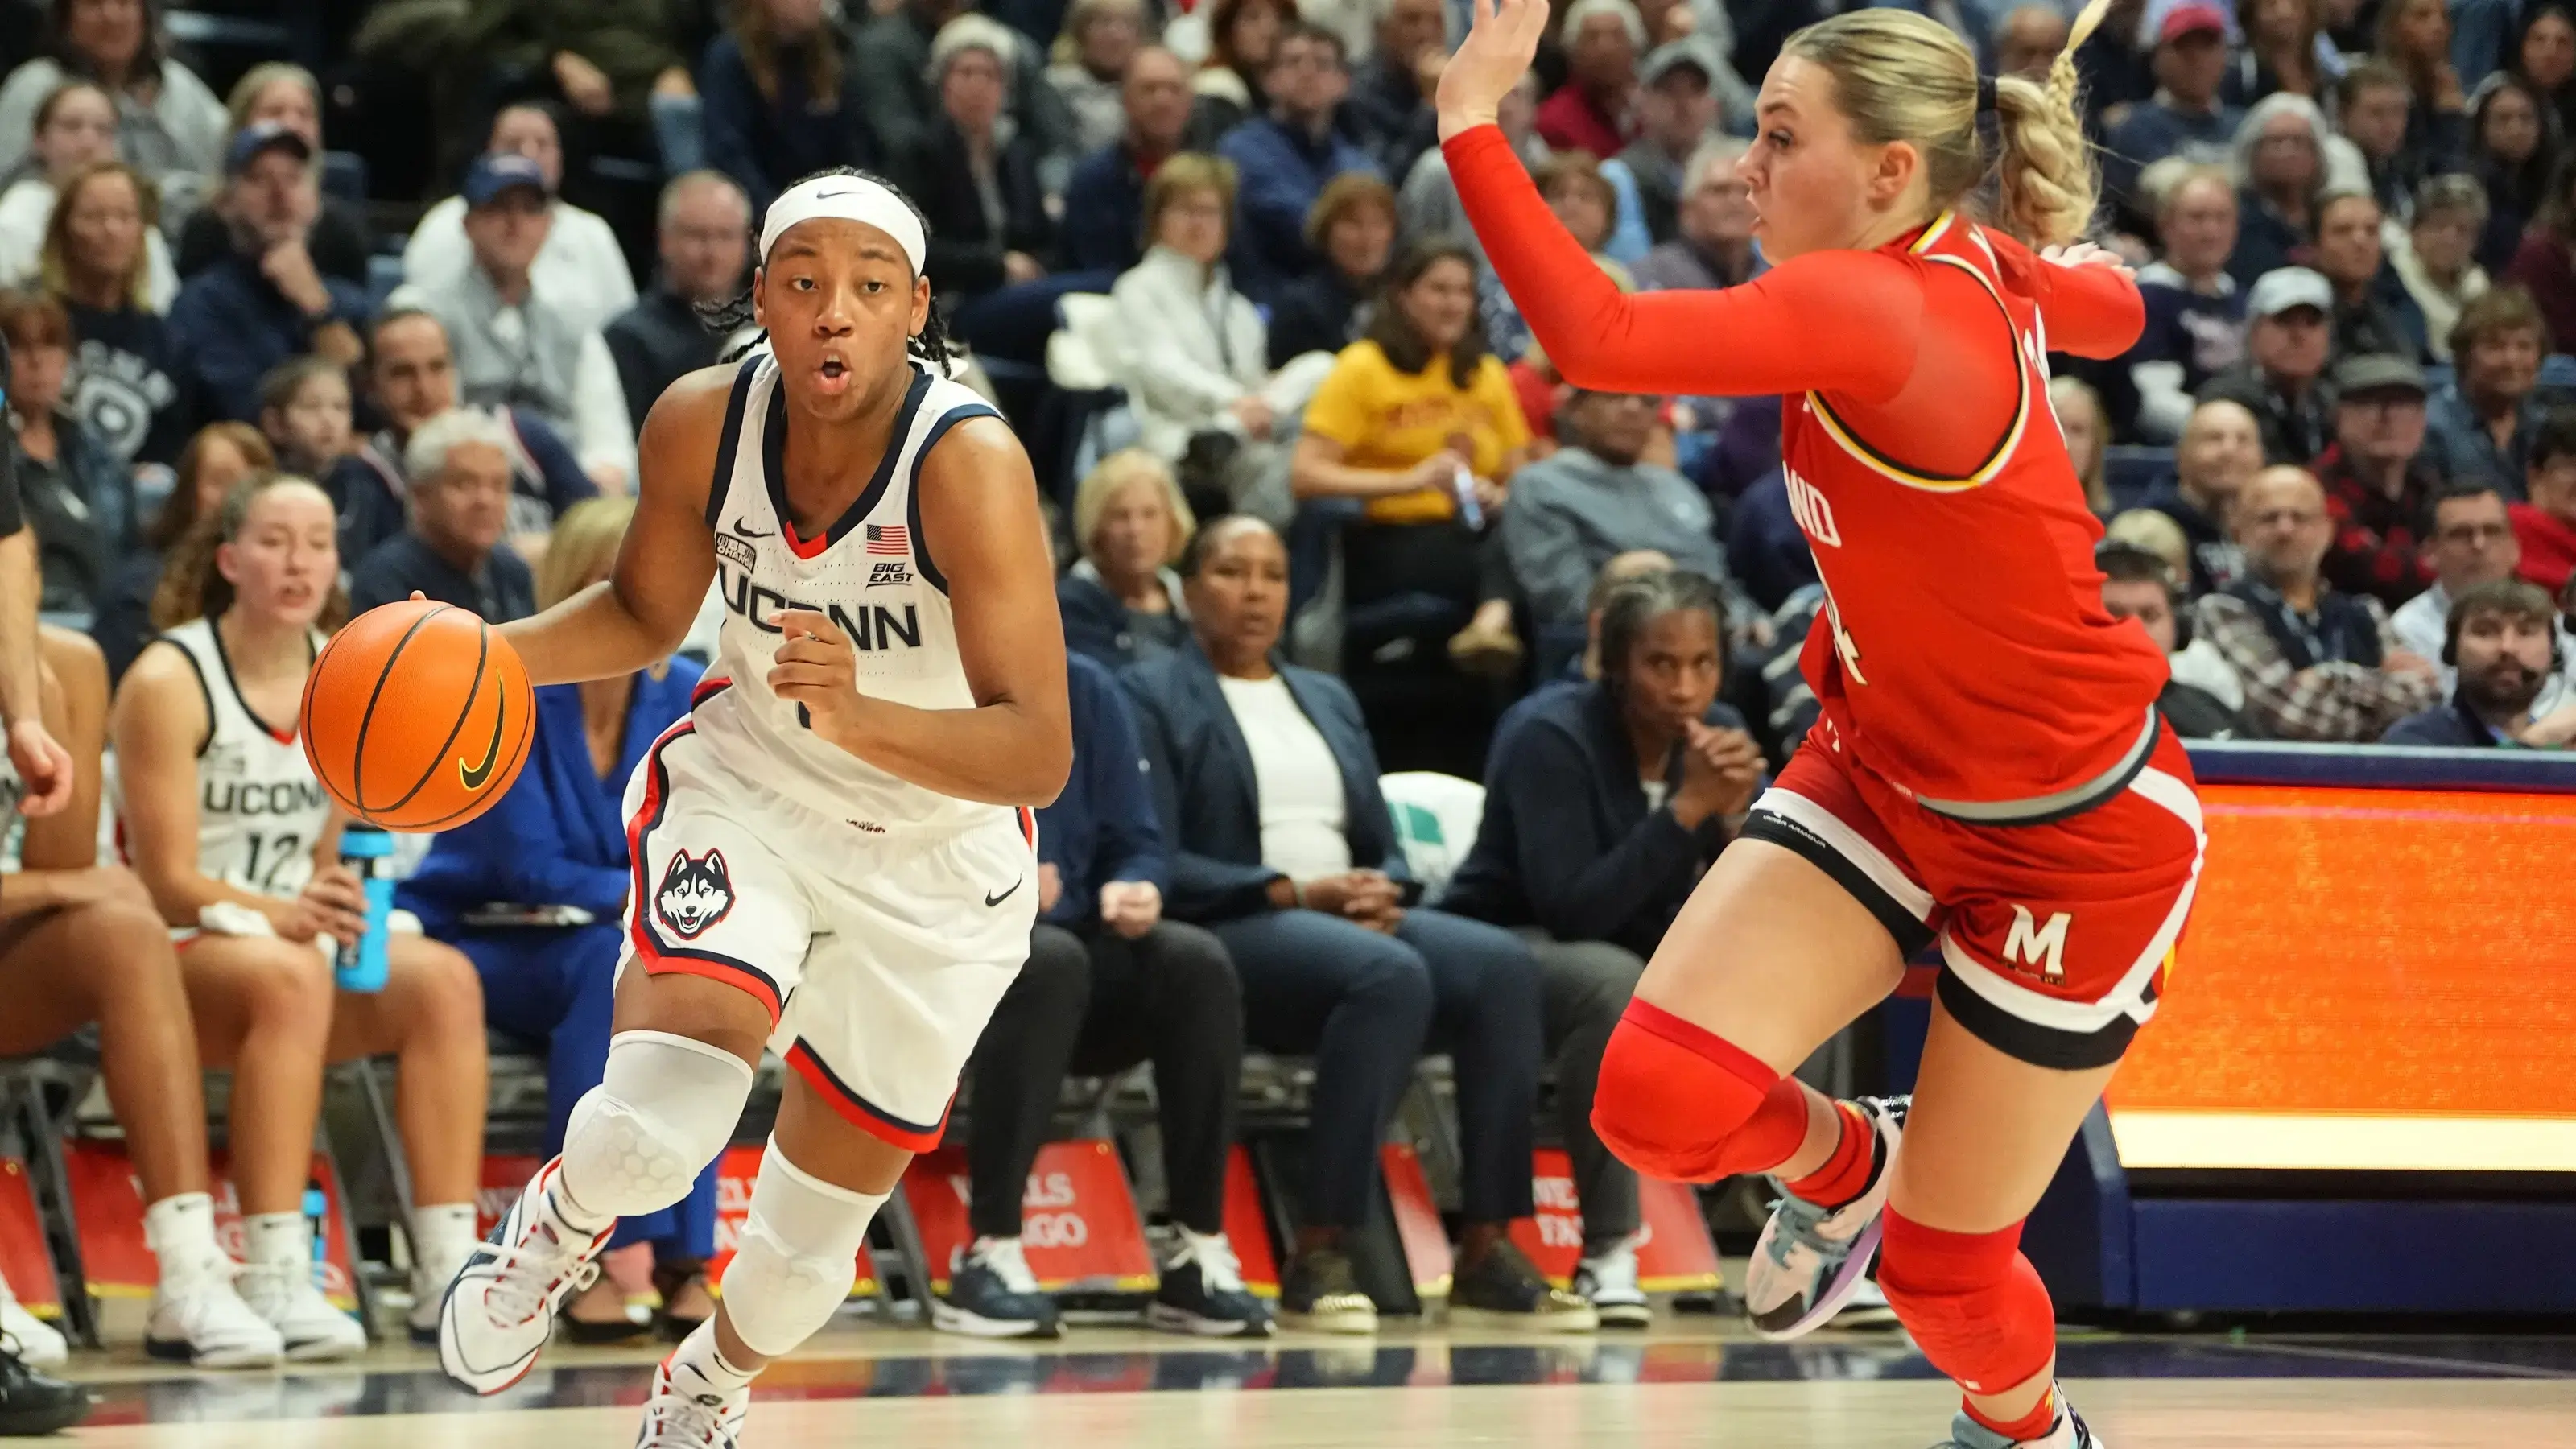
pixel 287 95
pixel 411 378
pixel 2415 41
pixel 2545 56
pixel 705 237
pixel 782 98
pixel 1621 569
pixel 1604 805
pixel 2195 311
pixel 266 302
pixel 2221 448
pixel 2280 170
pixel 2372 313
pixel 532 892
pixel 1195 357
pixel 2202 695
pixel 1285 156
pixel 2280 52
pixel 2282 379
pixel 2512 149
pixel 1591 110
pixel 1104 202
pixel 1121 601
pixel 515 345
pixel 127 378
pixel 974 176
pixel 75 134
pixel 2146 528
pixel 1714 247
pixel 1103 37
pixel 1243 40
pixel 2317 665
pixel 1578 190
pixel 1677 111
pixel 2376 491
pixel 581 269
pixel 1391 93
pixel 1427 206
pixel 2545 526
pixel 168 124
pixel 2544 264
pixel 219 456
pixel 1307 890
pixel 2470 541
pixel 75 497
pixel 607 61
pixel 454 549
pixel 2087 433
pixel 1418 421
pixel 891 53
pixel 2028 39
pixel 1110 982
pixel 1765 550
pixel 2434 257
pixel 2185 118
pixel 304 410
pixel 1352 228
pixel 1595 498
pixel 2372 104
pixel 2502 638
pixel 2481 425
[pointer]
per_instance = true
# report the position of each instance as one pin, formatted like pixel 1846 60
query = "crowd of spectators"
pixel 1336 516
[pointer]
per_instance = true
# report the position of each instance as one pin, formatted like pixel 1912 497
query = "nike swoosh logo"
pixel 995 900
pixel 475 775
pixel 744 530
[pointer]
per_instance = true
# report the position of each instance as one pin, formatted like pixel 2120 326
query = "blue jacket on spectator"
pixel 1568 843
pixel 1103 228
pixel 229 325
pixel 1282 174
pixel 1208 798
pixel 767 145
pixel 2450 725
pixel 2152 131
pixel 1765 550
pixel 2457 443
pixel 558 836
pixel 1103 827
pixel 2264 241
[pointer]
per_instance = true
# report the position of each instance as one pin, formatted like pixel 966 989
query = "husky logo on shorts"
pixel 695 894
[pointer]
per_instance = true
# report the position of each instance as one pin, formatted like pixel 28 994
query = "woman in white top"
pixel 580 270
pixel 75 129
pixel 239 847
pixel 167 122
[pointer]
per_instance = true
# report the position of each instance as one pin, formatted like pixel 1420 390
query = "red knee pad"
pixel 1973 1303
pixel 1677 1102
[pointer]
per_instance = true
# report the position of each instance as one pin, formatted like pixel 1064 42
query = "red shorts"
pixel 2055 932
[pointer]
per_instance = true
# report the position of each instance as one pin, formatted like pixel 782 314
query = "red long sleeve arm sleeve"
pixel 2089 311
pixel 1848 322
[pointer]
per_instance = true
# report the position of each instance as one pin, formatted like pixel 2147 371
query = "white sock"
pixel 698 1355
pixel 277 1240
pixel 442 1235
pixel 180 1230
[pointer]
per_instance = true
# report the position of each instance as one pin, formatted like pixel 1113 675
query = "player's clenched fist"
pixel 817 669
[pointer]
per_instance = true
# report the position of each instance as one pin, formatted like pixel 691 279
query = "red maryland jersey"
pixel 1967 657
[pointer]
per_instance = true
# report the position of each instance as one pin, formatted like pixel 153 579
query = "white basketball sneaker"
pixel 498 1313
pixel 2069 1432
pixel 684 1411
pixel 310 1328
pixel 1810 1260
pixel 200 1320
pixel 36 1342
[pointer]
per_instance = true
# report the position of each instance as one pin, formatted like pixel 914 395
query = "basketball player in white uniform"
pixel 833 855
pixel 232 834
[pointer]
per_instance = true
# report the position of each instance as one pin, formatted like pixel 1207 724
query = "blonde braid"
pixel 2048 181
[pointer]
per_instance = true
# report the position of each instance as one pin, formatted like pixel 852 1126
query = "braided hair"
pixel 930 346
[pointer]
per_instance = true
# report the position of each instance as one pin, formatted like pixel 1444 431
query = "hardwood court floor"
pixel 1688 1384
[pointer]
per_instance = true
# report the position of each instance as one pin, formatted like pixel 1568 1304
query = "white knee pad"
pixel 665 1107
pixel 797 1256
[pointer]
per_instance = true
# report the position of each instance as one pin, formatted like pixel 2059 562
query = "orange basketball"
pixel 417 716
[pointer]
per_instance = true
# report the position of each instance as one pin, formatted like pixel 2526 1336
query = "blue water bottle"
pixel 368 851
pixel 317 1219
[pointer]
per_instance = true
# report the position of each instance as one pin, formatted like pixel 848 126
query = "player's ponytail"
pixel 931 345
pixel 193 588
pixel 2047 179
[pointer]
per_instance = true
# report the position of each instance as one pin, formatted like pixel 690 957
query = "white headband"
pixel 846 198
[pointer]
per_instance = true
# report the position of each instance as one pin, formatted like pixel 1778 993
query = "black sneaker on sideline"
pixel 1504 1287
pixel 1320 1292
pixel 1203 1293
pixel 32 1404
pixel 994 1295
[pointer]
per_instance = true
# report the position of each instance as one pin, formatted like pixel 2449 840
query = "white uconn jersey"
pixel 259 809
pixel 870 573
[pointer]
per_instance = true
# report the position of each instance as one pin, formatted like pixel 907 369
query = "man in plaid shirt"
pixel 2317 664
pixel 2376 492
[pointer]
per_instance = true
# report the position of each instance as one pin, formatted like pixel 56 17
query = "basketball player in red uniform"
pixel 1989 771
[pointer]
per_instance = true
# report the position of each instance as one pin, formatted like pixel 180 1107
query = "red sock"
pixel 2033 1425
pixel 1846 1173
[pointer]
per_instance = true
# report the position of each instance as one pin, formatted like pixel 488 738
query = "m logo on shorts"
pixel 2032 944
pixel 696 892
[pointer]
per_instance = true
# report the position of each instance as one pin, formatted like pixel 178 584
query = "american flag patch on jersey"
pixel 891 538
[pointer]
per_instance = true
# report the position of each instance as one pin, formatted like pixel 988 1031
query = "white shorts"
pixel 879 957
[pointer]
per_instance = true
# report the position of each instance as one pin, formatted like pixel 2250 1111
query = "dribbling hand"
pixel 1501 41
pixel 817 669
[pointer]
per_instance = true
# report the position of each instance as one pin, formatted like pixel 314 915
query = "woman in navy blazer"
pixel 558 839
pixel 1299 874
